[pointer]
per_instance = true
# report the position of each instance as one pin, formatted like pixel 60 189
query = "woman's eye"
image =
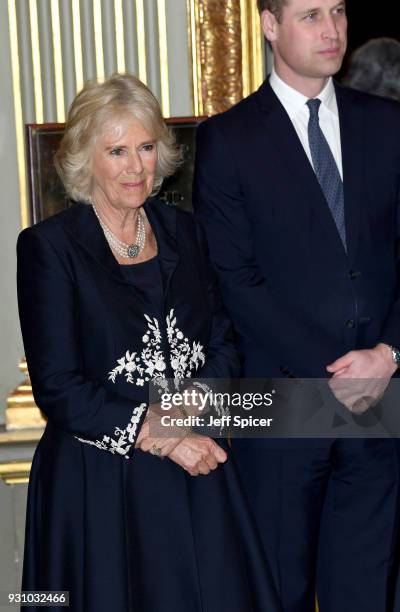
pixel 148 147
pixel 117 151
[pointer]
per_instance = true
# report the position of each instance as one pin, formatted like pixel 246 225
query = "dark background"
pixel 368 19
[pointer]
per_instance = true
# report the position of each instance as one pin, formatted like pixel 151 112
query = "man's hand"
pixel 368 363
pixel 360 378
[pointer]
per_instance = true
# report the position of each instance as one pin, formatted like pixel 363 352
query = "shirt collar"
pixel 294 101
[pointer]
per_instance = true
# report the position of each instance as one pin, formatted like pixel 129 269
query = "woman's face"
pixel 124 163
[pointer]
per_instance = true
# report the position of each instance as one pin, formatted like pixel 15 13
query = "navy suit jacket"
pixel 297 300
pixel 81 319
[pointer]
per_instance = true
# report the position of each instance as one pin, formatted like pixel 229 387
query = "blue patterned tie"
pixel 326 169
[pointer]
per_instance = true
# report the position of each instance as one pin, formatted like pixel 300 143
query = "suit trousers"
pixel 327 511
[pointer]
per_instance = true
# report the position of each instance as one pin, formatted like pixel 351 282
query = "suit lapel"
pixel 283 135
pixel 83 227
pixel 162 219
pixel 81 224
pixel 352 136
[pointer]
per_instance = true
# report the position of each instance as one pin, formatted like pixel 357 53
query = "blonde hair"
pixel 92 107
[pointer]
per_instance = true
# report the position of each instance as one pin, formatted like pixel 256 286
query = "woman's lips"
pixel 132 185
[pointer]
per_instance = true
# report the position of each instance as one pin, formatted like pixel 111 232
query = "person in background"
pixel 113 293
pixel 375 68
pixel 298 191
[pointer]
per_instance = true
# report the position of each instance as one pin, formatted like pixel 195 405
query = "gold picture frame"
pixel 227 52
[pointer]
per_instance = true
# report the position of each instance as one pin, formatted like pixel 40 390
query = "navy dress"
pixel 136 535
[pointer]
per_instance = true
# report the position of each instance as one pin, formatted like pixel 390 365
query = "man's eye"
pixel 340 10
pixel 310 16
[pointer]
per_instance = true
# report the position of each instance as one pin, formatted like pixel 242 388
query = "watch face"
pixel 396 356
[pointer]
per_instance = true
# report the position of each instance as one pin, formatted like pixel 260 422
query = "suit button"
pixel 353 274
pixel 350 323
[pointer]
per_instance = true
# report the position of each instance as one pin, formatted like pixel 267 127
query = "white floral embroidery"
pixel 149 363
pixel 139 368
pixel 125 437
pixel 217 405
pixel 185 357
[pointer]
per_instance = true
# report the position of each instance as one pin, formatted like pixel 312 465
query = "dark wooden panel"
pixel 46 193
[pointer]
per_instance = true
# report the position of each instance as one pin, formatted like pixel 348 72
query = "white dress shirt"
pixel 295 105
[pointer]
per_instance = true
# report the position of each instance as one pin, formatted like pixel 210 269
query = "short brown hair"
pixel 92 107
pixel 273 6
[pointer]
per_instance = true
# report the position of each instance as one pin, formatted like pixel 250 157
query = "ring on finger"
pixel 155 450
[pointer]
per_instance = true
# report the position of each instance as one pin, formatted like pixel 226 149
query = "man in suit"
pixel 298 190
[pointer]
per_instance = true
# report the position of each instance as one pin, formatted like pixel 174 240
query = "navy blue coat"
pixel 139 534
pixel 296 300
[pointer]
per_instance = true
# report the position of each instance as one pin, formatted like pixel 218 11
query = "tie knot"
pixel 314 105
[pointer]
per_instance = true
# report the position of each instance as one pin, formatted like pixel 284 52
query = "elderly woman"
pixel 114 292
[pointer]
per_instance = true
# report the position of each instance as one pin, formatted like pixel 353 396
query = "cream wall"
pixel 170 82
pixel 10 341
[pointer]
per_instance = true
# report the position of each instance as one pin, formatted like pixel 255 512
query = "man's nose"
pixel 330 28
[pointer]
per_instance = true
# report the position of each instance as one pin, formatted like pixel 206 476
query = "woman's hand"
pixel 195 453
pixel 198 454
pixel 147 443
pixel 157 439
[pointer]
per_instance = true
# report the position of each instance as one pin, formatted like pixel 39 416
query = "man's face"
pixel 310 41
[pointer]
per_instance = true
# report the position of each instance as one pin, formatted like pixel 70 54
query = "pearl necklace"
pixel 128 251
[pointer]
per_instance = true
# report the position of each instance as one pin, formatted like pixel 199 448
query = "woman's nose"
pixel 134 165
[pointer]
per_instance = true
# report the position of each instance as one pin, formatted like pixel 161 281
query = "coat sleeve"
pixel 391 328
pixel 260 321
pixel 222 358
pixel 49 321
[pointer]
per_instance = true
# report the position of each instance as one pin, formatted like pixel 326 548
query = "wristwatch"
pixel 395 355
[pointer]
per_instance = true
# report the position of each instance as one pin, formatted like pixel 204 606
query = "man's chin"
pixel 328 69
pixel 332 64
